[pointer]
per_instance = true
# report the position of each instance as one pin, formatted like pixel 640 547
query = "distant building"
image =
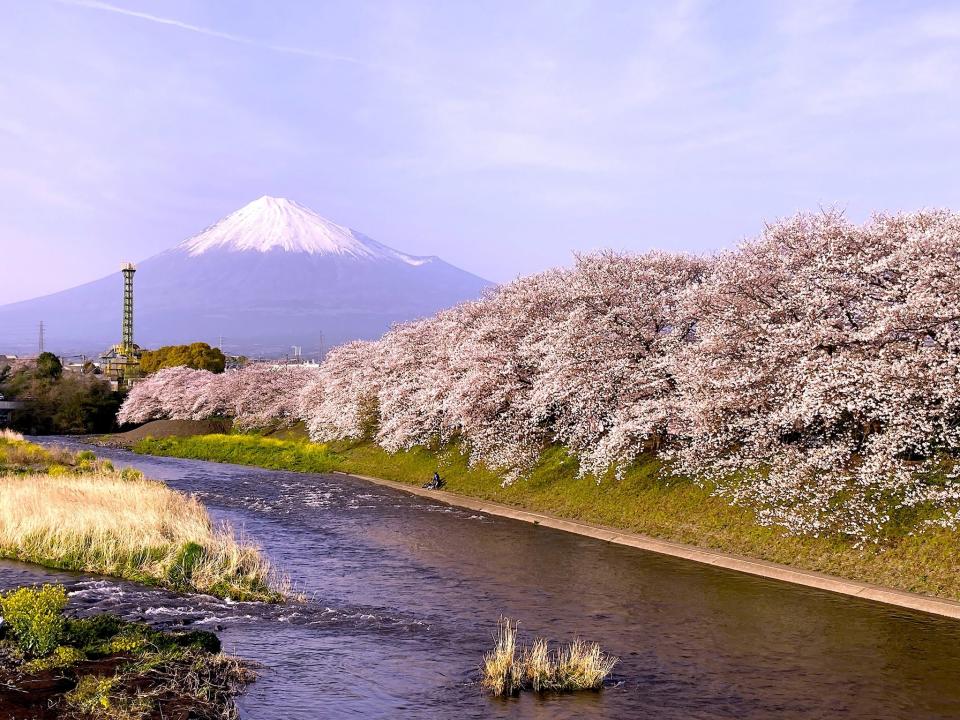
pixel 234 362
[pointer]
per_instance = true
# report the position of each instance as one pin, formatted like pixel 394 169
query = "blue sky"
pixel 502 136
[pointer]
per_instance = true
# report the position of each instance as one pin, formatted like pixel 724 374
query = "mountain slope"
pixel 270 275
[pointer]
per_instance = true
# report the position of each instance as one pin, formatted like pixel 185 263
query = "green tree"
pixel 199 356
pixel 84 404
pixel 69 403
pixel 49 366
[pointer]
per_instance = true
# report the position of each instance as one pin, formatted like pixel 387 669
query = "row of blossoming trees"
pixel 812 374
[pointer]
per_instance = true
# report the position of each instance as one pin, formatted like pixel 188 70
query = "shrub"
pixel 92 694
pixel 131 474
pixel 35 617
pixel 199 639
pixel 127 644
pixel 63 656
pixel 64 404
pixel 148 673
pixel 89 633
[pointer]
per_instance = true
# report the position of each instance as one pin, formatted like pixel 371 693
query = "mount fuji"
pixel 271 275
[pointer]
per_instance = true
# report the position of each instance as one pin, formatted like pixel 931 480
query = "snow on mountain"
pixel 270 275
pixel 271 223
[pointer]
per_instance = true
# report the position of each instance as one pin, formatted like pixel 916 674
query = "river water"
pixel 404 596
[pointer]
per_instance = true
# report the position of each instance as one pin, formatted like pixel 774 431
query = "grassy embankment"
pixel 103 668
pixel 75 512
pixel 916 559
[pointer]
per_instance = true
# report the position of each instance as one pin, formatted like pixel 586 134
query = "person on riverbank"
pixel 436 483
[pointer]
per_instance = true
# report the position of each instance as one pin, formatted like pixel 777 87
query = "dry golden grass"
pixel 18 455
pixel 538 666
pixel 501 673
pixel 582 666
pixel 577 666
pixel 125 526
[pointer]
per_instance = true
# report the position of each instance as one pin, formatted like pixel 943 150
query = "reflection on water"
pixel 404 596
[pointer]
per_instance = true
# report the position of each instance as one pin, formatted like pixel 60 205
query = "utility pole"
pixel 40 343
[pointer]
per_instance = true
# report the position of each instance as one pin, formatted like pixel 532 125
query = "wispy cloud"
pixel 210 32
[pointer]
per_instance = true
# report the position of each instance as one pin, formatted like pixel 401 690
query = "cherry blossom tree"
pixel 606 383
pixel 144 402
pixel 177 393
pixel 824 374
pixel 259 395
pixel 263 395
pixel 341 401
pixel 418 366
pixel 498 362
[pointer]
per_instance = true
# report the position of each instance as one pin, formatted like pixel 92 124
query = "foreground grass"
pixel 17 456
pixel 508 668
pixel 917 559
pixel 52 666
pixel 81 514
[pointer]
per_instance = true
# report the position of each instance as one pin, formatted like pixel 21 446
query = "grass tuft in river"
pixel 508 668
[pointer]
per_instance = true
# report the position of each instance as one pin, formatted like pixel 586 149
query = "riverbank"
pixel 642 509
pixel 54 666
pixel 73 511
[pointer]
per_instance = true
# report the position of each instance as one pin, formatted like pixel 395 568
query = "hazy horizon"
pixel 501 138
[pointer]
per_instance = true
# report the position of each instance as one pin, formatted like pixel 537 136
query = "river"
pixel 404 596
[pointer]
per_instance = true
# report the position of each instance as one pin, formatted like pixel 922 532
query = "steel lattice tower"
pixel 126 343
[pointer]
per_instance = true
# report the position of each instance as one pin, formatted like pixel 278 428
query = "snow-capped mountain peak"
pixel 271 223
